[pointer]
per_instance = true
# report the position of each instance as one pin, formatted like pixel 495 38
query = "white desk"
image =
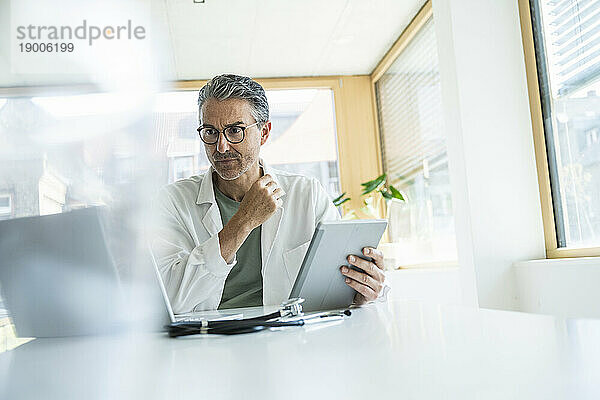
pixel 395 350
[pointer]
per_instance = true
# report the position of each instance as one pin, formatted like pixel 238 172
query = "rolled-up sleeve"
pixel 193 274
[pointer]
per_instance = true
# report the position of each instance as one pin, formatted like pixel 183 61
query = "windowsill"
pixel 579 261
pixel 574 252
pixel 395 258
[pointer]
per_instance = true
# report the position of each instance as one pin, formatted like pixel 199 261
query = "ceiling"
pixel 261 38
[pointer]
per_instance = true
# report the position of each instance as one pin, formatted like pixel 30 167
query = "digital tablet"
pixel 320 282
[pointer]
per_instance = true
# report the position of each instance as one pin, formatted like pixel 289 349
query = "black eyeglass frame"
pixel 222 132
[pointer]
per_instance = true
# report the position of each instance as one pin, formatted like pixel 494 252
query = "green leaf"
pixel 369 182
pixel 386 195
pixel 374 184
pixel 370 189
pixel 339 197
pixel 338 201
pixel 396 193
pixel 375 181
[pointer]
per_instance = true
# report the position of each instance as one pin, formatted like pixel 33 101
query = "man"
pixel 236 236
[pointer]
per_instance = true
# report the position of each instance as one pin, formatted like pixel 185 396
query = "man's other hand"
pixel 368 284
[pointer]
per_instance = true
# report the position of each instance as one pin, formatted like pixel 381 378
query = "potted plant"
pixel 376 193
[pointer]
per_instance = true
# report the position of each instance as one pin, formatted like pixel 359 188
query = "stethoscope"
pixel 289 314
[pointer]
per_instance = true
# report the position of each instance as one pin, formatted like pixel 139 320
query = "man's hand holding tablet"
pixel 333 244
pixel 368 284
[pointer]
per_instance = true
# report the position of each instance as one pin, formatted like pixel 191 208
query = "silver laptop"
pixel 57 275
pixel 58 278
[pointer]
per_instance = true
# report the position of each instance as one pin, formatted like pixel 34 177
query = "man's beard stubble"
pixel 229 175
pixel 228 155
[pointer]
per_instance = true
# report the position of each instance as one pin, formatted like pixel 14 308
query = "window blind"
pixel 413 144
pixel 573 30
pixel 410 111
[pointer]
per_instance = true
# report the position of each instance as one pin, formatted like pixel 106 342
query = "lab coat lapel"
pixel 271 226
pixel 268 234
pixel 206 198
pixel 212 220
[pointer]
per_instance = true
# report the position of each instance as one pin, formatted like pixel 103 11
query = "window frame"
pixel 541 145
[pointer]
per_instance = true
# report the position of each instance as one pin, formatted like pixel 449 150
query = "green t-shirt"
pixel 243 286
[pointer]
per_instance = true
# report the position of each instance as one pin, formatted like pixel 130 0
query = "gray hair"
pixel 230 86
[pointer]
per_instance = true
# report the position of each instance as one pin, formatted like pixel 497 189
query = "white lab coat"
pixel 186 242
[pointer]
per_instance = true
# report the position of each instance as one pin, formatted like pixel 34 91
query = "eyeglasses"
pixel 233 134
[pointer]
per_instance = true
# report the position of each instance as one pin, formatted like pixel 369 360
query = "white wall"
pixel 429 285
pixel 490 146
pixel 566 287
pixel 492 169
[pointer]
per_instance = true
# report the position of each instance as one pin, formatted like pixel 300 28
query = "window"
pixel 69 151
pixel 182 167
pixel 302 139
pixel 567 47
pixel 413 144
pixel 6 207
